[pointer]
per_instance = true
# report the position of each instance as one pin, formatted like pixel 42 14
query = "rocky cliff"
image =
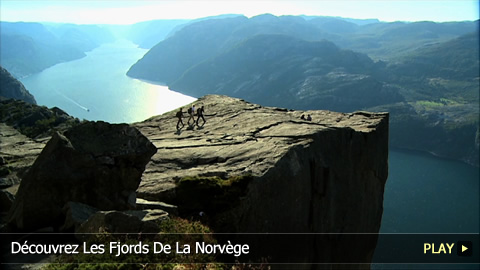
pixel 321 176
pixel 248 169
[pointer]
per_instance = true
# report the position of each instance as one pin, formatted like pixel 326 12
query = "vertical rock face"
pixel 321 176
pixel 95 163
pixel 333 183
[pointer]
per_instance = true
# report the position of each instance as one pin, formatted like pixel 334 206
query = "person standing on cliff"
pixel 191 112
pixel 200 112
pixel 179 115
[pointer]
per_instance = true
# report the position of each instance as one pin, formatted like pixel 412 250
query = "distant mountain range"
pixel 280 70
pixel 28 48
pixel 424 73
pixel 381 41
pixel 150 33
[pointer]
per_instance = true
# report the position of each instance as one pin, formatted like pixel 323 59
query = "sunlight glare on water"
pixel 96 87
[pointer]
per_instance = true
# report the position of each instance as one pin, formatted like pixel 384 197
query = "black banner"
pixel 272 248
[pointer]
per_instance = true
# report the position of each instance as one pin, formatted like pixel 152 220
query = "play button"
pixel 464 248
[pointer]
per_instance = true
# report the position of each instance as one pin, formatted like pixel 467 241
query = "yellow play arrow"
pixel 464 248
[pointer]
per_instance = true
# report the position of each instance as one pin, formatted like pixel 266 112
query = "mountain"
pixel 36 31
pixel 428 80
pixel 440 84
pixel 82 37
pixel 170 58
pixel 279 70
pixel 148 34
pixel 351 20
pixel 199 41
pixel 392 41
pixel 12 88
pixel 456 59
pixel 27 48
pixel 24 48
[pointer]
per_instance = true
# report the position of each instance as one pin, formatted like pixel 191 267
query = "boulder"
pixel 94 163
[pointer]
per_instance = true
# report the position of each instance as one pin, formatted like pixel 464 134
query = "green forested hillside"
pixel 454 59
pixel 440 114
pixel 280 70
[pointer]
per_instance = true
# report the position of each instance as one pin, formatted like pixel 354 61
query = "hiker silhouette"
pixel 191 113
pixel 179 115
pixel 200 112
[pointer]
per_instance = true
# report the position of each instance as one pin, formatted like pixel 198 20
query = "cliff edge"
pixel 326 175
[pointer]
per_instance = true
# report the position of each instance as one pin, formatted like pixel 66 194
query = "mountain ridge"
pixel 28 48
pixel 419 84
pixel 255 74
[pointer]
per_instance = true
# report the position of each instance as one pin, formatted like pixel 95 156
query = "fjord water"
pixel 422 194
pixel 426 194
pixel 96 88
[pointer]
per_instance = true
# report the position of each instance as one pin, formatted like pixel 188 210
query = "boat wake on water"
pixel 73 101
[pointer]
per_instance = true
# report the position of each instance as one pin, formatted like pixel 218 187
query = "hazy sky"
pixel 127 12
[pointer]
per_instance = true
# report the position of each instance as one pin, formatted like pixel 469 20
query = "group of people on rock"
pixel 191 112
pixel 309 118
pixel 200 115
